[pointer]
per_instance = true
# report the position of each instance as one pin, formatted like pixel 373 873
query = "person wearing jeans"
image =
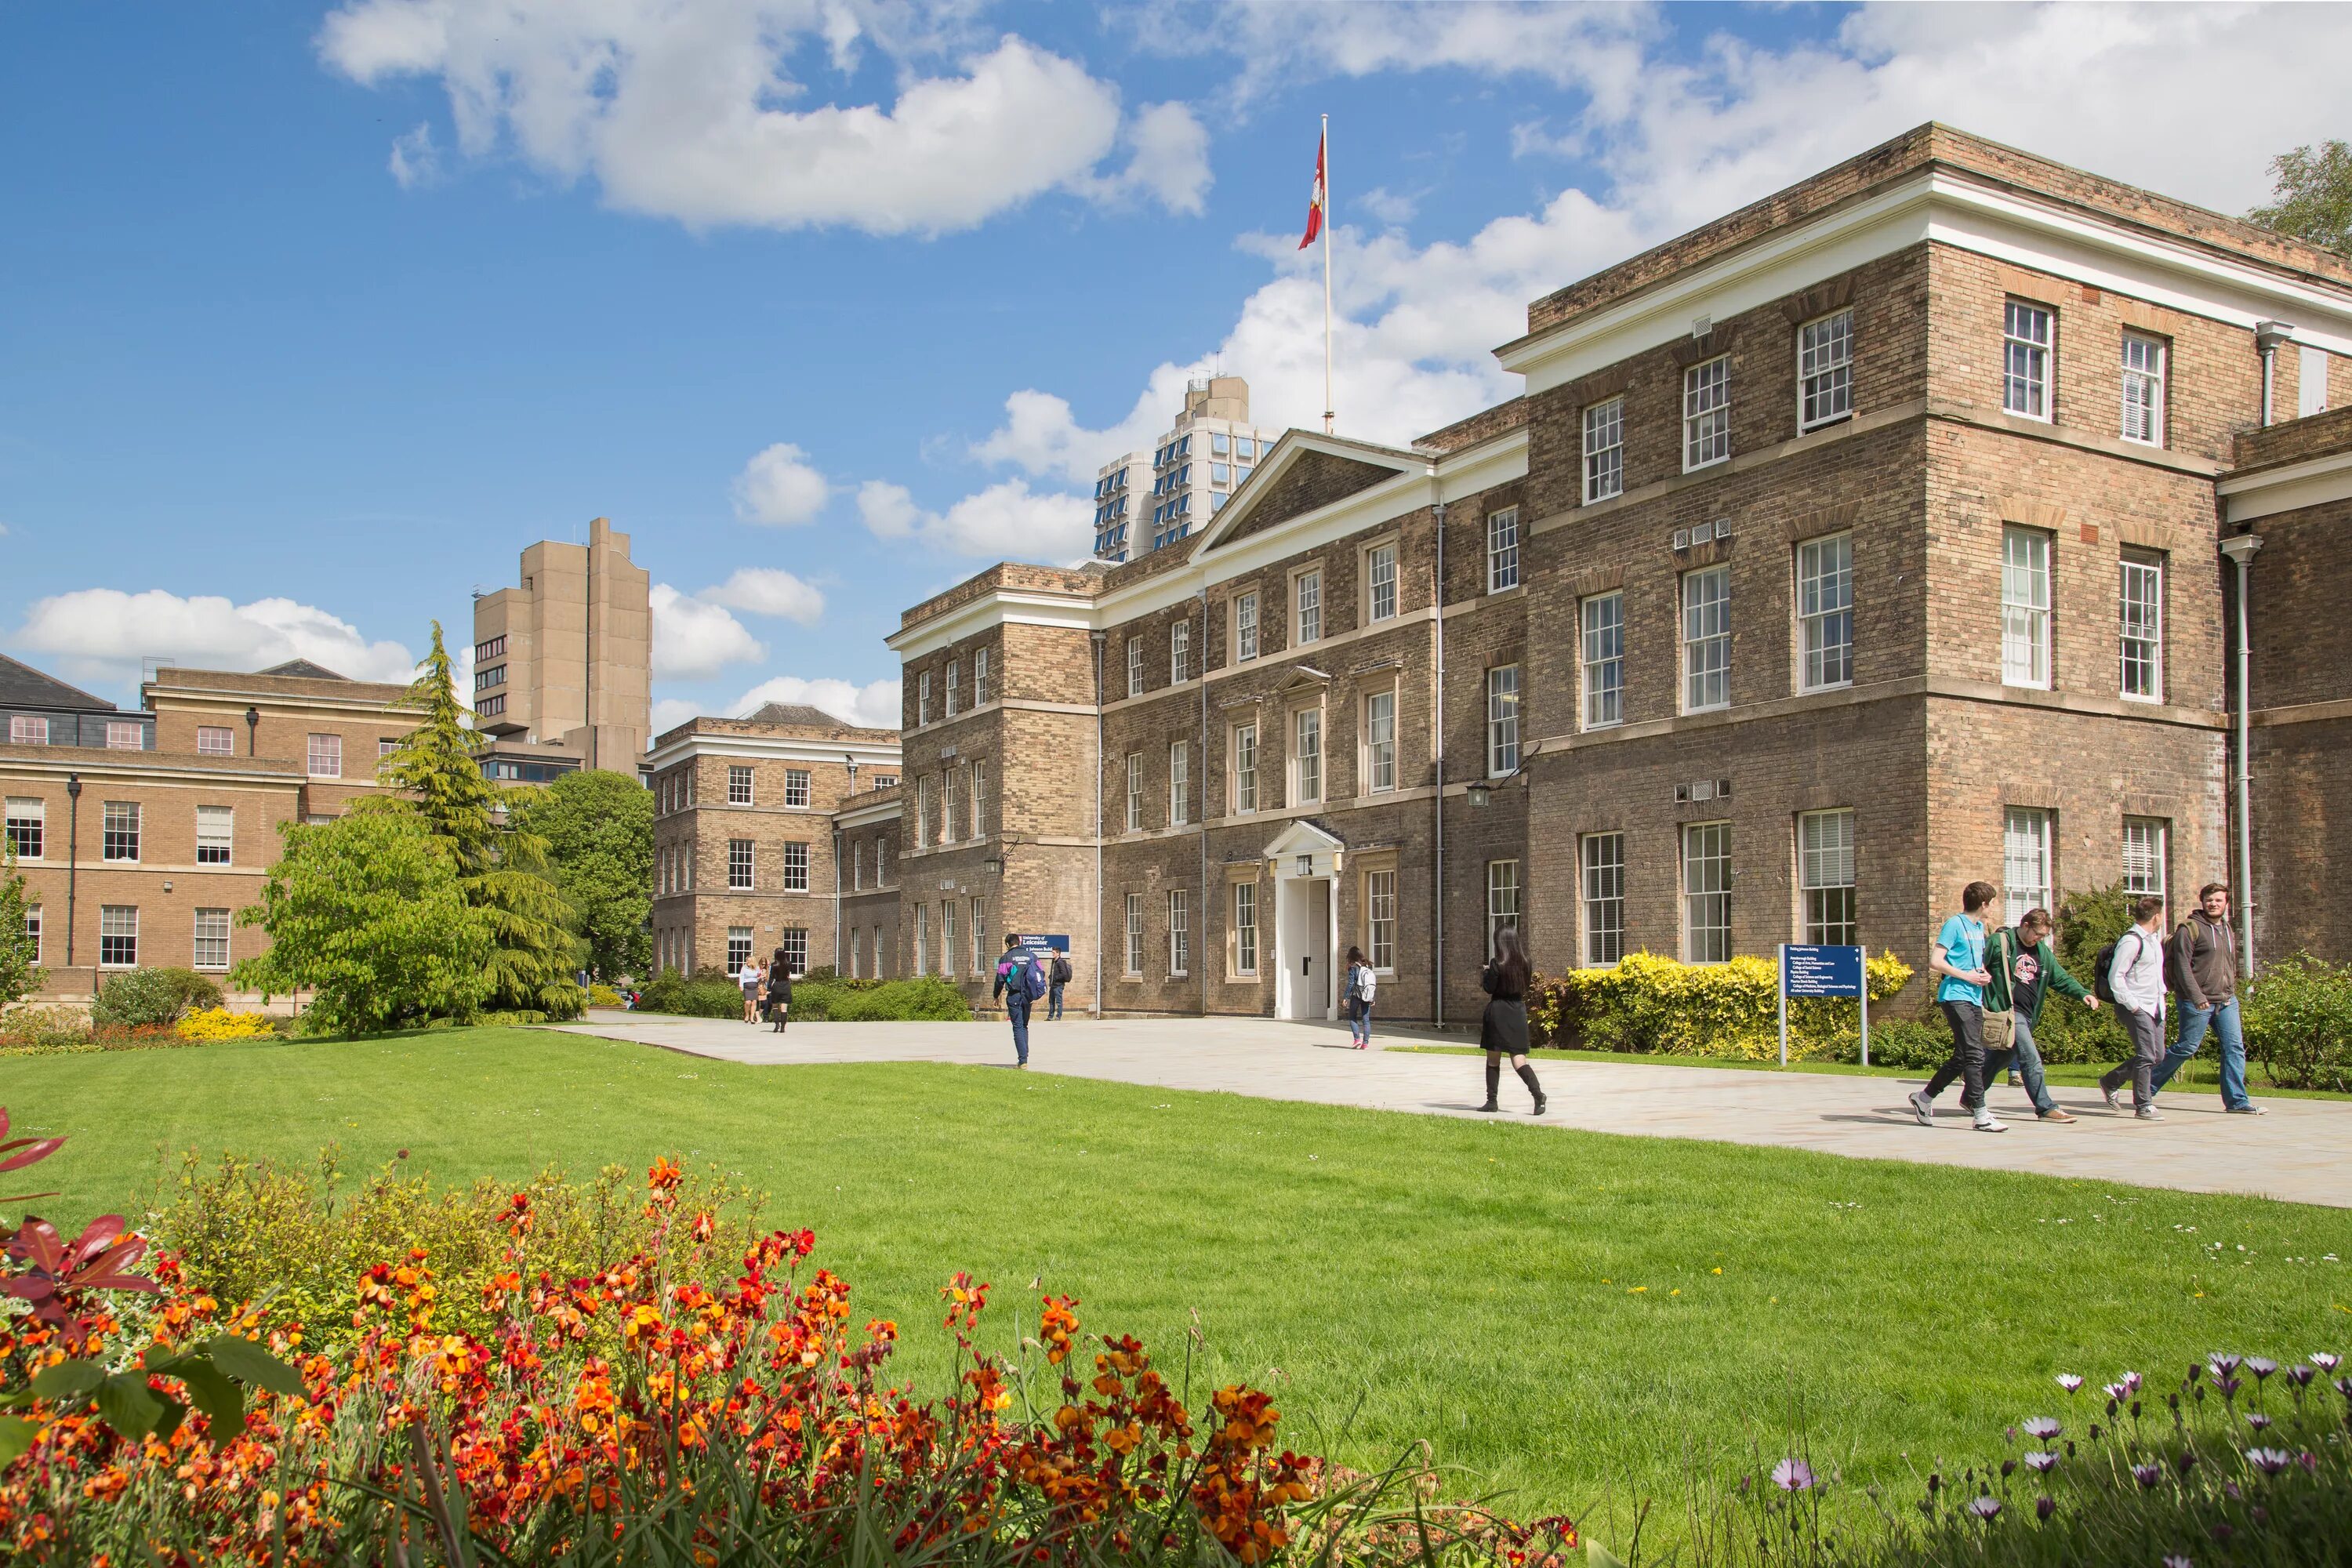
pixel 1359 999
pixel 1013 984
pixel 1055 978
pixel 2025 971
pixel 2136 979
pixel 2204 968
pixel 1958 957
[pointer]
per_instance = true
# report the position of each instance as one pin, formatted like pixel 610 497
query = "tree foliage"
pixel 367 911
pixel 598 826
pixel 19 977
pixel 2311 197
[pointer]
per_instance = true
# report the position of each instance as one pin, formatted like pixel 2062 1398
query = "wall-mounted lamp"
pixel 1480 792
pixel 252 729
pixel 993 864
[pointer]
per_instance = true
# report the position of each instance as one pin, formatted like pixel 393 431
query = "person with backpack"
pixel 780 989
pixel 1053 984
pixel 2024 969
pixel 2201 969
pixel 1958 955
pixel 1503 1029
pixel 2132 967
pixel 1361 984
pixel 1020 979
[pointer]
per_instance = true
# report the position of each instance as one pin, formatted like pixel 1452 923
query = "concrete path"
pixel 2301 1151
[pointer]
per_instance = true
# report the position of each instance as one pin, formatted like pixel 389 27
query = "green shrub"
pixel 705 993
pixel 1652 1004
pixel 138 997
pixel 1905 1043
pixel 2298 1021
pixel 2069 1031
pixel 602 996
pixel 925 999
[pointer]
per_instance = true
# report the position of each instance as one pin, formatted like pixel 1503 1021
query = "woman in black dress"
pixel 1504 1030
pixel 780 989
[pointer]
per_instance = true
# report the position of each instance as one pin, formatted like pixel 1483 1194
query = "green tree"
pixel 502 869
pixel 599 830
pixel 367 911
pixel 19 976
pixel 2311 197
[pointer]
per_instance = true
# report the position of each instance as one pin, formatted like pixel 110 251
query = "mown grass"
pixel 1558 1312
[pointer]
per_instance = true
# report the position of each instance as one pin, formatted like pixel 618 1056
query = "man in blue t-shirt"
pixel 1958 958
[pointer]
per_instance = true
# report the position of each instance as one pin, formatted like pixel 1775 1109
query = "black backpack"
pixel 2103 967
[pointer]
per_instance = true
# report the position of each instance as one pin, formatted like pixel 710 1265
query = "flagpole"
pixel 1327 274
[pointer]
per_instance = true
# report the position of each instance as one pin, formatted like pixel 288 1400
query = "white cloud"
pixel 1007 520
pixel 778 486
pixel 692 112
pixel 1170 160
pixel 693 638
pixel 874 705
pixel 415 160
pixel 1393 208
pixel 101 634
pixel 670 713
pixel 767 591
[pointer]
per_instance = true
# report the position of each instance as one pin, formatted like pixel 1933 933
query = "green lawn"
pixel 1546 1305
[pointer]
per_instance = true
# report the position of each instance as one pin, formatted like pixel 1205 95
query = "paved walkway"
pixel 2301 1151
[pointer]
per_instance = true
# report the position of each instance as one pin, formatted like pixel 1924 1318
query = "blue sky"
pixel 312 316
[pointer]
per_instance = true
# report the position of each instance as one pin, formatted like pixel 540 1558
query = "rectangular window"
pixel 1380 742
pixel 125 737
pixel 796 786
pixel 1179 932
pixel 1604 621
pixel 1502 899
pixel 1245 928
pixel 2144 847
pixel 923 702
pixel 1825 877
pixel 118 936
pixel 1308 593
pixel 950 785
pixel 952 689
pixel 1134 953
pixel 2143 389
pixel 211 948
pixel 979 801
pixel 922 939
pixel 1601 857
pixel 1135 667
pixel 979 937
pixel 796 868
pixel 2025 860
pixel 2024 607
pixel 1380 582
pixel 857 866
pixel 1246 626
pixel 947 936
pixel 1825 611
pixel 2025 360
pixel 27 823
pixel 1307 757
pixel 1179 783
pixel 492 707
pixel 1134 792
pixel 2311 381
pixel 1245 767
pixel 1825 370
pixel 739 785
pixel 1502 721
pixel 1707 639
pixel 33 930
pixel 326 756
pixel 215 741
pixel 980 677
pixel 120 826
pixel 1503 549
pixel 1707 413
pixel 1605 450
pixel 28 730
pixel 739 948
pixel 484 680
pixel 738 864
pixel 1381 920
pixel 2140 626
pixel 1180 652
pixel 1706 892
pixel 793 940
pixel 215 835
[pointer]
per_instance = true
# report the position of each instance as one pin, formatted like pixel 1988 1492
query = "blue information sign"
pixel 1809 971
pixel 1043 943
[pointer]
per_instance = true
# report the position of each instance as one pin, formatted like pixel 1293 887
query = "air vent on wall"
pixel 1722 528
pixel 1700 790
pixel 1682 539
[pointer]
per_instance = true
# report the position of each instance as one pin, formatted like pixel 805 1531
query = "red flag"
pixel 1315 203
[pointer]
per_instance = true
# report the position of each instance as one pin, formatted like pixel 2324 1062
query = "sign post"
pixel 1808 970
pixel 1039 942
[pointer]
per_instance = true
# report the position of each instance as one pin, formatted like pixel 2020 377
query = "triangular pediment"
pixel 1303 474
pixel 1302 837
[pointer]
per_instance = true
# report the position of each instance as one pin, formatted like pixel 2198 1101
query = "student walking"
pixel 2024 971
pixel 1504 1029
pixel 2135 977
pixel 1020 982
pixel 749 978
pixel 780 989
pixel 1053 984
pixel 2203 968
pixel 1958 955
pixel 1361 984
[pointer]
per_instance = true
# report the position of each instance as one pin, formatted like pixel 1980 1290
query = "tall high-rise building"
pixel 1192 469
pixel 563 664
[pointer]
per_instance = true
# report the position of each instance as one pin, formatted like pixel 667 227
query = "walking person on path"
pixel 2024 969
pixel 1504 1029
pixel 2204 969
pixel 749 978
pixel 1958 954
pixel 780 988
pixel 2136 979
pixel 1053 984
pixel 1020 982
pixel 1361 985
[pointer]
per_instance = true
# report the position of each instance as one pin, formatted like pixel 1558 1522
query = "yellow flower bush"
pixel 220 1023
pixel 1653 1004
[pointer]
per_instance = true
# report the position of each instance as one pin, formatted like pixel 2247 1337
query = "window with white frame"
pixel 952 789
pixel 2024 607
pixel 738 784
pixel 739 948
pixel 977 827
pixel 738 865
pixel 1179 931
pixel 210 949
pixel 1245 767
pixel 1381 920
pixel 1602 633
pixel 922 939
pixel 215 741
pixel 1825 370
pixel 1502 720
pixel 2145 841
pixel 118 830
pixel 1135 667
pixel 2139 629
pixel 2311 381
pixel 980 936
pixel 923 820
pixel 1825 877
pixel 1605 450
pixel 795 867
pixel 1134 954
pixel 1244 928
pixel 796 787
pixel 1380 582
pixel 1601 862
pixel 27 826
pixel 1502 549
pixel 1707 413
pixel 1707 639
pixel 125 736
pixel 2025 360
pixel 215 835
pixel 1180 652
pixel 2143 407
pixel 1706 892
pixel 923 697
pixel 947 936
pixel 33 931
pixel 980 677
pixel 1179 783
pixel 2025 860
pixel 793 940
pixel 326 756
pixel 1502 899
pixel 1825 612
pixel 1246 626
pixel 28 730
pixel 118 936
pixel 952 689
pixel 1307 596
pixel 1135 792
pixel 1307 757
pixel 1380 741
pixel 858 866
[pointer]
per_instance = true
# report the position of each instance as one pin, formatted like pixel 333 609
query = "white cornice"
pixel 1019 606
pixel 769 748
pixel 2287 487
pixel 880 811
pixel 124 764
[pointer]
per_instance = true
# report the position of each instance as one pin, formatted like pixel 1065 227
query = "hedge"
pixel 819 997
pixel 1650 1005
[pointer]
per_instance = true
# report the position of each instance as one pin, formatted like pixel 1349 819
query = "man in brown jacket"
pixel 2203 968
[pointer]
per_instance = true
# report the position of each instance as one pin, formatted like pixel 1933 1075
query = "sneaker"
pixel 1988 1122
pixel 1924 1109
pixel 2248 1109
pixel 2053 1116
pixel 2115 1099
pixel 2015 1082
pixel 2148 1113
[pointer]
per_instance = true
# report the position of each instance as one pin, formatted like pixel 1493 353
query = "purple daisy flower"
pixel 2043 1507
pixel 2270 1462
pixel 2116 1393
pixel 2257 1420
pixel 2227 1385
pixel 2070 1382
pixel 1793 1475
pixel 2043 1427
pixel 1985 1508
pixel 2301 1377
pixel 2261 1367
pixel 2177 1561
pixel 2148 1475
pixel 2223 1366
pixel 2309 1461
pixel 2188 1461
pixel 2131 1381
pixel 2041 1464
pixel 2325 1360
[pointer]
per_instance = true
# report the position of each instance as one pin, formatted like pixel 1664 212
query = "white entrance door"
pixel 1306 947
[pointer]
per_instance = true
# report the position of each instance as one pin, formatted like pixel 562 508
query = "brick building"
pixel 1853 547
pixel 744 833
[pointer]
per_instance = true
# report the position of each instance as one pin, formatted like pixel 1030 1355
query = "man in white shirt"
pixel 2135 976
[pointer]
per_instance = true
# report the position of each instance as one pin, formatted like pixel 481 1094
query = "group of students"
pixel 1991 984
pixel 767 988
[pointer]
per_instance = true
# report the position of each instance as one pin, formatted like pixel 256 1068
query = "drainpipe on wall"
pixel 2268 336
pixel 1437 707
pixel 1097 639
pixel 2241 548
pixel 73 856
pixel 1200 816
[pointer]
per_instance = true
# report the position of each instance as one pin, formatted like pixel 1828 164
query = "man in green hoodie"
pixel 2024 969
